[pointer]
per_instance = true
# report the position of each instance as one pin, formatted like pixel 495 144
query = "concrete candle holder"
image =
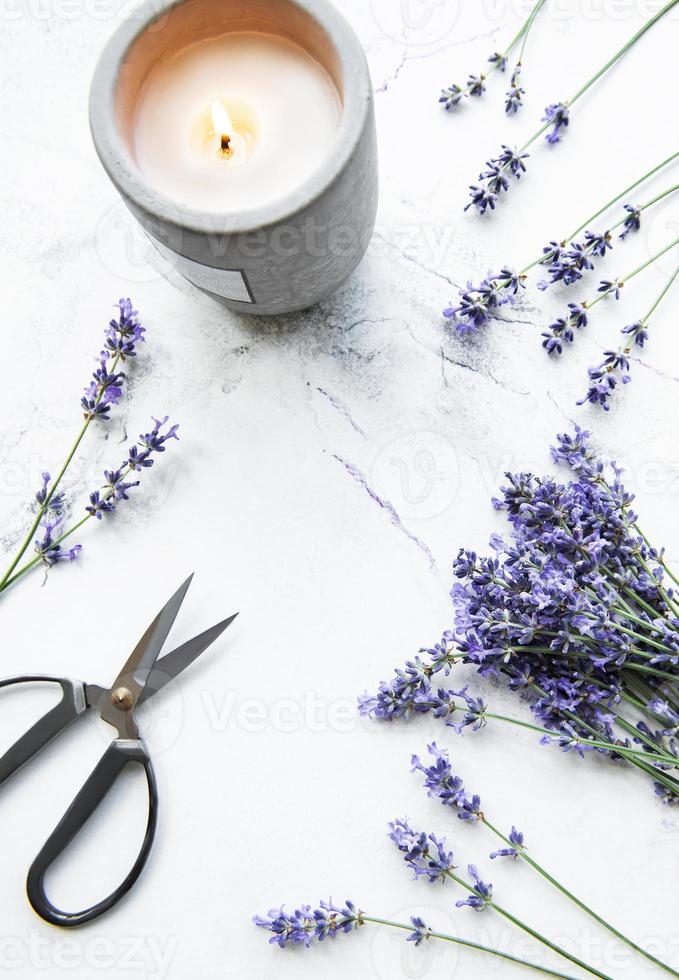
pixel 277 258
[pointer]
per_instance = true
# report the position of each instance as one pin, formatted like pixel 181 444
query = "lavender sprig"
pixel 104 500
pixel 104 391
pixel 428 857
pixel 561 333
pixel 495 180
pixel 615 367
pixel 442 783
pixel 566 266
pixel 475 86
pixel 305 926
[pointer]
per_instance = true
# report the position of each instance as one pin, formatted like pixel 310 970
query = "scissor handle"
pixel 71 705
pixel 120 753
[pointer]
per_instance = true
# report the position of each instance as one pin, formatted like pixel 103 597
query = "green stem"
pixel 576 901
pixel 446 937
pixel 623 50
pixel 609 64
pixel 661 295
pixel 661 560
pixel 42 510
pixel 527 29
pixel 37 560
pixel 635 272
pixel 654 200
pixel 622 194
pixel 528 929
pixel 7 577
pixel 586 743
pixel 660 777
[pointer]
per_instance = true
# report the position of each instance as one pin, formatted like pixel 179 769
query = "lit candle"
pixel 241 135
pixel 233 122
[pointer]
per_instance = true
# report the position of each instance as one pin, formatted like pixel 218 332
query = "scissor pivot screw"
pixel 122 698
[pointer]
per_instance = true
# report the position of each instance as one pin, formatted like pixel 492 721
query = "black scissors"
pixel 142 676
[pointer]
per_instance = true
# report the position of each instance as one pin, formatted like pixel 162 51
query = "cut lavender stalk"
pixel 305 926
pixel 429 859
pixel 615 367
pixel 103 392
pixel 102 501
pixel 453 94
pixel 561 333
pixel 566 264
pixel 495 180
pixel 443 784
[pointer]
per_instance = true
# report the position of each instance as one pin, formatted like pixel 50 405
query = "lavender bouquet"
pixel 576 610
pixel 103 392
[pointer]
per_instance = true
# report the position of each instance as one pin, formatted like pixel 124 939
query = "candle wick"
pixel 225 145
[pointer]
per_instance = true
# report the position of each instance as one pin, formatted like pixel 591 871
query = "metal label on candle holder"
pixel 229 283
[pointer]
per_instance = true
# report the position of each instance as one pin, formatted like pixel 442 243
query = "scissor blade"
pixel 136 670
pixel 172 664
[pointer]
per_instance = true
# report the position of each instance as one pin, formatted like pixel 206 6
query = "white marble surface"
pixel 271 789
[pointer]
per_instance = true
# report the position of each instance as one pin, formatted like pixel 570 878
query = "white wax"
pixel 285 112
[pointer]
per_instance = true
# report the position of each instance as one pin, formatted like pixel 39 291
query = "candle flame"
pixel 221 121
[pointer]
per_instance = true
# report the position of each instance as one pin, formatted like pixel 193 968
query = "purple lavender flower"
pixel 494 180
pixel 139 457
pixel 557 115
pixel 632 222
pixel 451 96
pixel 482 895
pixel 637 331
pixel 425 854
pixel 420 932
pixel 57 502
pixel 562 330
pixel 98 505
pixel 610 287
pixel 478 304
pixel 474 716
pixel 441 783
pixel 598 244
pixel 116 484
pixel 106 387
pixel 605 376
pixel 513 100
pixel 566 265
pixel 48 548
pixel 517 845
pixel 125 332
pixel 154 441
pixel 305 925
pixel 93 409
pixel 498 60
pixel 475 85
